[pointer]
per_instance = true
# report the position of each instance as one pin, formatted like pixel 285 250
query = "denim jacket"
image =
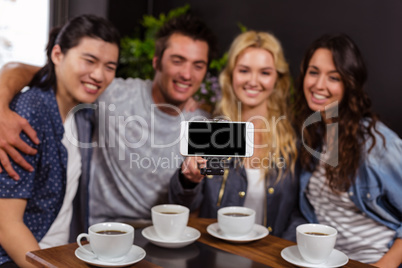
pixel 214 192
pixel 378 185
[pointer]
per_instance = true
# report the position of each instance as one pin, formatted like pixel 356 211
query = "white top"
pixel 359 237
pixel 255 196
pixel 59 231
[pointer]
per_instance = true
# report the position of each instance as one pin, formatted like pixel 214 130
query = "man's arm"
pixel 14 77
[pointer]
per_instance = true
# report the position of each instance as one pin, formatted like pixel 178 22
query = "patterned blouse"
pixel 43 188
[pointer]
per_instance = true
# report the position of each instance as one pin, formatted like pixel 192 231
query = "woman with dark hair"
pixel 351 173
pixel 36 210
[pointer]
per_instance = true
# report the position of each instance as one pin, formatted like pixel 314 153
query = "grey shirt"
pixel 137 152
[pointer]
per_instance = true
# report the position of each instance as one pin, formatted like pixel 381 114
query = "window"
pixel 24 29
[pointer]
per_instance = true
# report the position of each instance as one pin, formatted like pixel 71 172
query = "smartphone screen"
pixel 217 138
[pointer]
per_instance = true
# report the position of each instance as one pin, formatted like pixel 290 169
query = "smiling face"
pixel 84 72
pixel 322 83
pixel 254 77
pixel 182 69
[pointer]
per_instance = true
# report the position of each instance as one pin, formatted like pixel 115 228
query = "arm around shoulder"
pixel 14 77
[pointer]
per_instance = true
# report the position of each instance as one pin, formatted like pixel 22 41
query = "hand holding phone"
pixel 191 168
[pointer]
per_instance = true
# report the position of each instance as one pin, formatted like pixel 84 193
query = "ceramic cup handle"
pixel 79 238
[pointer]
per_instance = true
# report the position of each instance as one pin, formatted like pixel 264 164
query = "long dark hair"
pixel 353 108
pixel 69 36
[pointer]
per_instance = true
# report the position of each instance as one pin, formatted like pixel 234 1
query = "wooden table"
pixel 262 253
pixel 266 251
pixel 64 256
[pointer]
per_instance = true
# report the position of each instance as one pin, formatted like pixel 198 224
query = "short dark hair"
pixel 69 36
pixel 187 25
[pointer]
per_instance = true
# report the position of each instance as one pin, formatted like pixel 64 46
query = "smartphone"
pixel 217 138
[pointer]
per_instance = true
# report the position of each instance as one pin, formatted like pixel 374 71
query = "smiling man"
pixel 179 70
pixel 138 126
pixel 136 139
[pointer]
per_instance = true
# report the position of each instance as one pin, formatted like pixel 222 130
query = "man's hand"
pixel 191 168
pixel 11 125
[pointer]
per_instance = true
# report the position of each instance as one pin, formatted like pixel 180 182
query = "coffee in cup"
pixel 315 241
pixel 109 241
pixel 169 220
pixel 236 221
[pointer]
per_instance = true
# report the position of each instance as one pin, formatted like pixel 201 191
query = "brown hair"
pixel 186 25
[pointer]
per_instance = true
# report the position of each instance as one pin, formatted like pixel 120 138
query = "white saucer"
pixel 258 232
pixel 135 254
pixel 187 237
pixel 336 259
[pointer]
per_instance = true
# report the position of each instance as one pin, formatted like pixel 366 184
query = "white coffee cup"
pixel 236 221
pixel 109 241
pixel 315 241
pixel 169 220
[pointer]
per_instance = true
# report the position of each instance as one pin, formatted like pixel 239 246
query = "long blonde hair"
pixel 282 136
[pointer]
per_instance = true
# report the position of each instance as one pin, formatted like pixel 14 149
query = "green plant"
pixel 136 52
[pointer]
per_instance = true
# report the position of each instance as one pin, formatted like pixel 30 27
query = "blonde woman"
pixel 255 86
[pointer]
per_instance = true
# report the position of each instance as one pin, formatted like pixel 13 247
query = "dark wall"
pixel 127 14
pixel 376 26
pixel 78 7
